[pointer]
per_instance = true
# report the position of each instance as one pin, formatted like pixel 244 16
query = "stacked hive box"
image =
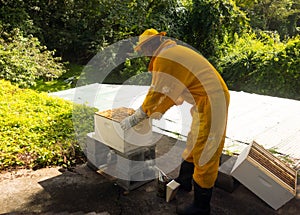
pixel 136 167
pixel 133 150
pixel 98 154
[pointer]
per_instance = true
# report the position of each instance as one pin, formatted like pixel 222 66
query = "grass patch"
pixel 37 130
pixel 66 81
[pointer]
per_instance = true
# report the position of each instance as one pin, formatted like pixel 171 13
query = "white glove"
pixel 134 119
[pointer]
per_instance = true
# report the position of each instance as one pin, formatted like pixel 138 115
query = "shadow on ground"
pixel 85 191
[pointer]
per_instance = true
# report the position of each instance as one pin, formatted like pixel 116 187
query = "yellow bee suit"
pixel 179 72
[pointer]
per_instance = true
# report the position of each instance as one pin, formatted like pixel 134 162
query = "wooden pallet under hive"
pixel 265 175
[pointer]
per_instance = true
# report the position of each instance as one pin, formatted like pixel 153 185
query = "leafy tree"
pixel 78 29
pixel 210 21
pixel 23 60
pixel 273 15
pixel 14 14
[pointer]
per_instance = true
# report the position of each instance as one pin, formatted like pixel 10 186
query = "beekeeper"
pixel 181 74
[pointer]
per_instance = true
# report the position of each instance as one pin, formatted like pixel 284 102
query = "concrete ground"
pixel 85 191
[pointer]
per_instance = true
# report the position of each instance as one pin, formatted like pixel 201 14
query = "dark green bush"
pixel 282 16
pixel 78 29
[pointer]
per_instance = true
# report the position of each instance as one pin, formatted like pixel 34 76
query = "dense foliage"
pixel 209 22
pixel 78 29
pixel 253 43
pixel 23 60
pixel 37 130
pixel 281 16
pixel 263 65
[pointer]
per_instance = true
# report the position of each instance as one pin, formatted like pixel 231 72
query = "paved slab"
pixel 85 191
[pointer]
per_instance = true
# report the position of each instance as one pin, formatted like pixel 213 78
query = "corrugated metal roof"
pixel 272 122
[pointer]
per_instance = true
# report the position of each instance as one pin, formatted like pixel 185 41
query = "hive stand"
pixel 131 169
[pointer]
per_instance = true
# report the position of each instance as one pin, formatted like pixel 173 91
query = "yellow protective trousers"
pixel 179 73
pixel 198 137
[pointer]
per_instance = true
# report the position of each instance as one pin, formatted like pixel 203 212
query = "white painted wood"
pixel 110 133
pixel 260 181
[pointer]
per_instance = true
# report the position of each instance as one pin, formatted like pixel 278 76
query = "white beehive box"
pixel 110 133
pixel 265 175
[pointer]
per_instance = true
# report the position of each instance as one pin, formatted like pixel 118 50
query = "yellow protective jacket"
pixel 179 72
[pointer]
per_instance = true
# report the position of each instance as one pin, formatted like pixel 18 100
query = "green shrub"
pixel 209 21
pixel 38 130
pixel 23 60
pixel 263 65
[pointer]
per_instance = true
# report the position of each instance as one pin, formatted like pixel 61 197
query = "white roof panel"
pixel 270 121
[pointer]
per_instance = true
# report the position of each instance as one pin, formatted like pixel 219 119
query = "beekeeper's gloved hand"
pixel 134 119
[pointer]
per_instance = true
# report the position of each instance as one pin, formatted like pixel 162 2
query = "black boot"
pixel 201 204
pixel 185 176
